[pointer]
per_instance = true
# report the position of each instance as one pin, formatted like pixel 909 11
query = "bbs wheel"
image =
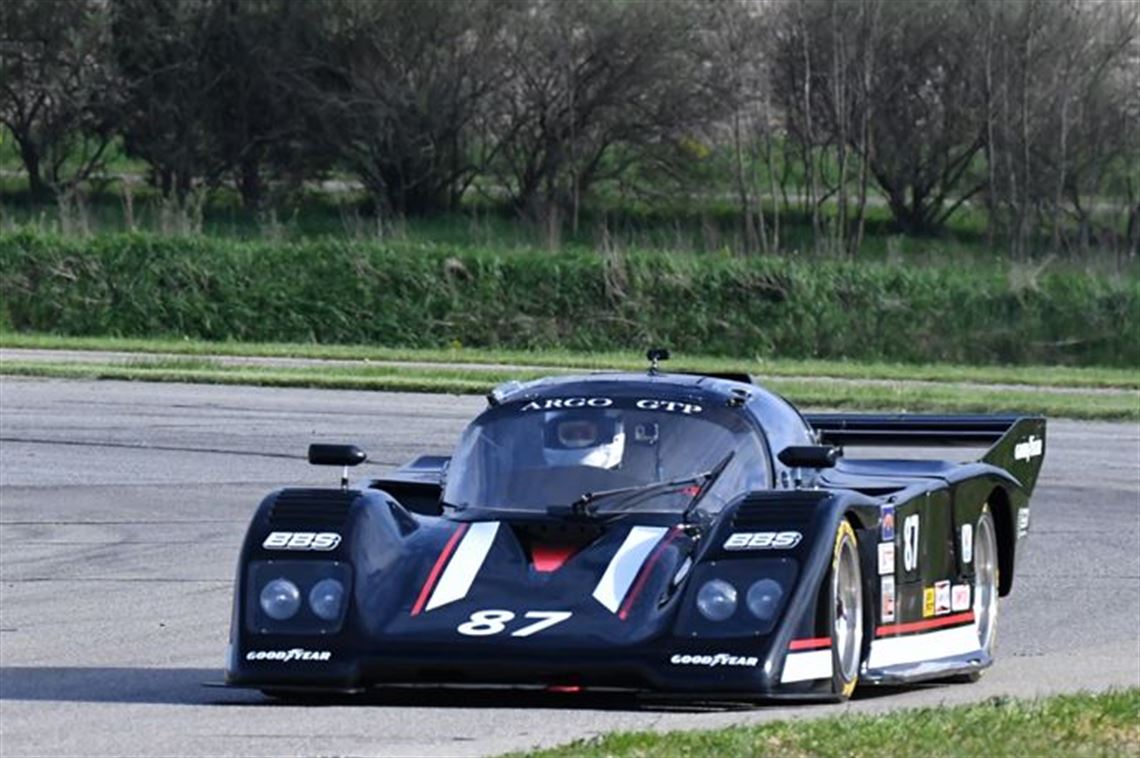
pixel 986 580
pixel 846 614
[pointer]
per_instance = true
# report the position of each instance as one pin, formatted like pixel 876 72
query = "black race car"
pixel 652 531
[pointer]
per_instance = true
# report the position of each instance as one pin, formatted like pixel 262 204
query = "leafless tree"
pixel 56 88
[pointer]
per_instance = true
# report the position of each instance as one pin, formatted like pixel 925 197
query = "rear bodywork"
pixel 439 595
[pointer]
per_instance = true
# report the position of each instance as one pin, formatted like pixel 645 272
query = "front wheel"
pixel 846 612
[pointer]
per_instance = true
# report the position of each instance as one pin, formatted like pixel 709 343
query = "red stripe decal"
pixel 920 626
pixel 646 570
pixel 438 567
pixel 813 643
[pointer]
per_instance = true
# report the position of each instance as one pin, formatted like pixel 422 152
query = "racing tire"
pixel 846 612
pixel 986 583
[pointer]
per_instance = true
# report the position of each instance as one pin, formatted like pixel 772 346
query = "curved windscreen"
pixel 551 452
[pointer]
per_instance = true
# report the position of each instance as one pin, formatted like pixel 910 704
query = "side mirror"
pixel 336 455
pixel 810 456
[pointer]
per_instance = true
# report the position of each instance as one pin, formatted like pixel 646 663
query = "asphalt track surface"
pixel 122 507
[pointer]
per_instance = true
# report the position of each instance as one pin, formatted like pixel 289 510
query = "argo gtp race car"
pixel 650 531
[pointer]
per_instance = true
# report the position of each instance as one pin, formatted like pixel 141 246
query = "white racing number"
pixel 910 542
pixel 487 623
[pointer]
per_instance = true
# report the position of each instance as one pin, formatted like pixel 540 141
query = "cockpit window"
pixel 550 452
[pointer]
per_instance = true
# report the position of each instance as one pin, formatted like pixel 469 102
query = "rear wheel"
pixel 986 581
pixel 846 614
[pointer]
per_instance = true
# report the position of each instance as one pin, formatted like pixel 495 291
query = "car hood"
pixel 523 582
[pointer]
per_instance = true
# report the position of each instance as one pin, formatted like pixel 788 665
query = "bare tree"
pixel 401 93
pixel 56 89
pixel 592 85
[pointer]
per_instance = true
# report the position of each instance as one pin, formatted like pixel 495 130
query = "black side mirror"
pixel 336 455
pixel 810 456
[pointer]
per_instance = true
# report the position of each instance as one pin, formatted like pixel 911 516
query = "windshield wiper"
pixel 713 474
pixel 586 505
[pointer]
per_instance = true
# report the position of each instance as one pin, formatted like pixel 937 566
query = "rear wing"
pixel 1014 443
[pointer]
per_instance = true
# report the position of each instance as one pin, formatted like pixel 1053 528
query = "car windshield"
pixel 551 452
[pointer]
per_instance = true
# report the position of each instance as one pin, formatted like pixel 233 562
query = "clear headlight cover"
pixel 763 598
pixel 326 598
pixel 716 600
pixel 280 599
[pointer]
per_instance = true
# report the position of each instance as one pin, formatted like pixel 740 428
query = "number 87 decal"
pixel 487 623
pixel 910 542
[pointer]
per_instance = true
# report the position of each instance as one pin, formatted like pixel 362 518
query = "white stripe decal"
pixel 625 564
pixel 801 667
pixel 464 565
pixel 928 646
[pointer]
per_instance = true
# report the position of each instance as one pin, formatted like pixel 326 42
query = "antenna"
pixel 655 355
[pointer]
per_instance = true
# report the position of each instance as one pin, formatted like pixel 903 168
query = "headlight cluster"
pixel 717 599
pixel 281 599
pixel 297 597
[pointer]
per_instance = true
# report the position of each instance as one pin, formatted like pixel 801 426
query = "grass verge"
pixel 901 397
pixel 1106 724
pixel 1037 376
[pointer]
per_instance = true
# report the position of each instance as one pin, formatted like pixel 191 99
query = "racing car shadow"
pixel 186 686
pixel 504 698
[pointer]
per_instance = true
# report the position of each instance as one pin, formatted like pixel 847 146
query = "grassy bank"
pixel 437 296
pixel 1096 377
pixel 1105 724
pixel 889 396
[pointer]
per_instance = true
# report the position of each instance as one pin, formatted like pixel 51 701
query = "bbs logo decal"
pixel 301 541
pixel 763 541
pixel 287 656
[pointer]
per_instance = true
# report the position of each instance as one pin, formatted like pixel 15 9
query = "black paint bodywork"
pixel 394 531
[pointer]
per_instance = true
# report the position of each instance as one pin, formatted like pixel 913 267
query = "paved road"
pixel 122 507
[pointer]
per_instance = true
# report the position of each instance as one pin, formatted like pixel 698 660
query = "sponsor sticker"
pixel 960 597
pixel 941 598
pixel 887 591
pixel 301 541
pixel 559 403
pixel 288 656
pixel 1022 522
pixel 762 540
pixel 712 661
pixel 886 558
pixel 887 526
pixel 670 406
pixel 1028 449
pixel 927 602
pixel 645 404
pixel 967 543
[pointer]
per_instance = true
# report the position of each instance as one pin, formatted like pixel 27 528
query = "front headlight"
pixel 297 597
pixel 716 600
pixel 326 598
pixel 280 599
pixel 763 599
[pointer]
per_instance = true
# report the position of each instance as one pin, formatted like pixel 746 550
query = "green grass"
pixel 1037 376
pixel 816 393
pixel 1105 724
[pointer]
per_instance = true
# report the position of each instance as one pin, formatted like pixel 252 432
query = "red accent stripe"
pixel 919 626
pixel 646 570
pixel 437 568
pixel 809 644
